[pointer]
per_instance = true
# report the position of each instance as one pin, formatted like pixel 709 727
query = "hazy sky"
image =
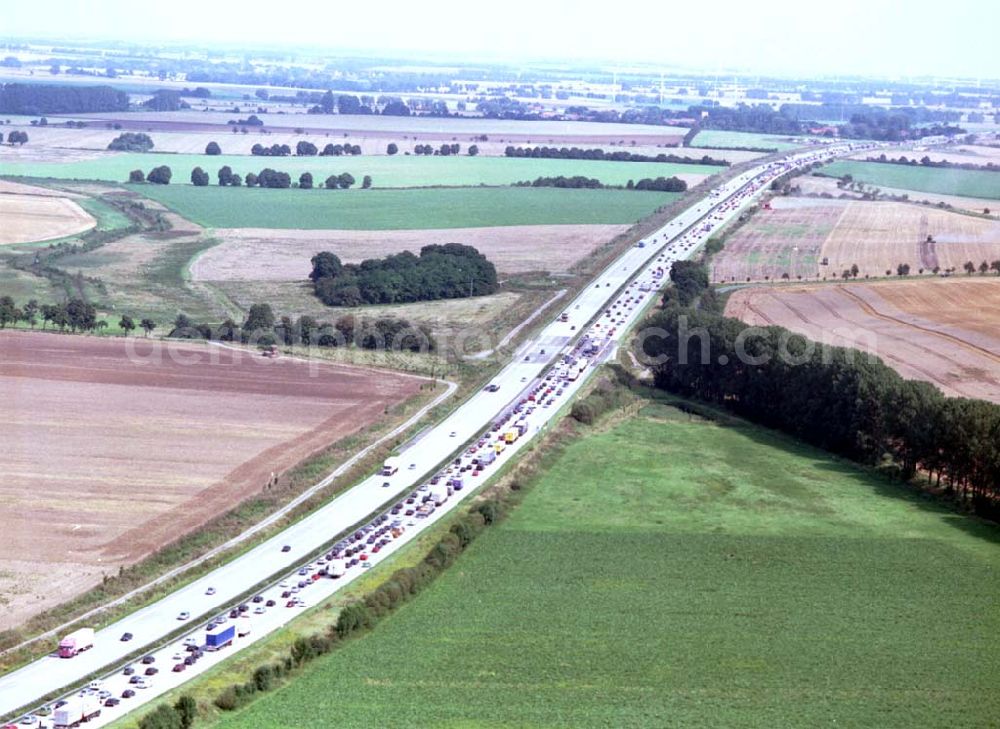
pixel 872 37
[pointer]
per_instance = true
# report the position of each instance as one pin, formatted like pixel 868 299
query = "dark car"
pixel 149 659
pixel 128 694
pixel 128 671
pixel 258 598
pixel 243 608
pixel 126 637
pixel 178 667
pixel 188 661
pixel 152 671
pixel 111 702
pixel 135 679
pixel 269 603
pixel 234 613
pixel 286 548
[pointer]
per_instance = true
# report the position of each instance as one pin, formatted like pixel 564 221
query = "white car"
pixel 144 683
pixel 210 591
pixel 184 615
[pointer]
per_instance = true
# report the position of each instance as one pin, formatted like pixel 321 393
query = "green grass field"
pixel 676 572
pixel 401 209
pixel 713 138
pixel 395 171
pixel 967 183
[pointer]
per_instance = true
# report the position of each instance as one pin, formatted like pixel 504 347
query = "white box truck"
pixel 76 710
pixel 243 626
pixel 439 494
pixel 336 569
pixel 391 466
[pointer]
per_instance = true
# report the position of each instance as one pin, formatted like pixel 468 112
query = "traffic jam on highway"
pixel 518 418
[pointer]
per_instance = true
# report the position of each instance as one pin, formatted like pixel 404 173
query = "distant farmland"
pixel 674 572
pixel 968 183
pixel 220 207
pixel 395 171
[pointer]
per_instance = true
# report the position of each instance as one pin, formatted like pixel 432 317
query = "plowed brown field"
pixel 944 331
pixel 114 447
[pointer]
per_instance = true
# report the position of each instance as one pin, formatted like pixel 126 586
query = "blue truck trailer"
pixel 219 637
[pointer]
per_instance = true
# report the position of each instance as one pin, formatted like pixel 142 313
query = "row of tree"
pixel 926 161
pixel 302 149
pixel 262 328
pixel 600 154
pixel 659 184
pixel 447 271
pixel 266 178
pixel 75 315
pixel 836 398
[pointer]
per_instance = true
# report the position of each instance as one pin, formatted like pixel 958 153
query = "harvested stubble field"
pixel 396 171
pixel 786 239
pixel 875 236
pixel 669 571
pixel 944 331
pixel 255 254
pixel 27 217
pixel 115 447
pixel 964 183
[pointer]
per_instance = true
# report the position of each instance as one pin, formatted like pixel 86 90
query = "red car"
pixel 178 667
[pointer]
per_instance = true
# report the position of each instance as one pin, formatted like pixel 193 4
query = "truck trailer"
pixel 76 710
pixel 75 642
pixel 219 637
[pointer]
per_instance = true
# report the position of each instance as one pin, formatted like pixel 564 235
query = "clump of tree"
pixel 228 179
pixel 440 272
pixel 199 178
pixel 391 149
pixel 131 142
pixel 166 100
pixel 16 137
pixel 269 178
pixel 32 99
pixel 577 181
pixel 275 150
pixel 213 149
pixel 159 175
pixel 661 184
pixel 445 150
pixel 337 150
pixel 342 181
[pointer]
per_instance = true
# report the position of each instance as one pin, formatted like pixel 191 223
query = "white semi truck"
pixel 76 710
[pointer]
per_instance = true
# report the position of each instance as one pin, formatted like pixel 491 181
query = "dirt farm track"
pixel 114 447
pixel 944 331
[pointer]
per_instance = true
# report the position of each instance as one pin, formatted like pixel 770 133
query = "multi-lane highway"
pixel 587 314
